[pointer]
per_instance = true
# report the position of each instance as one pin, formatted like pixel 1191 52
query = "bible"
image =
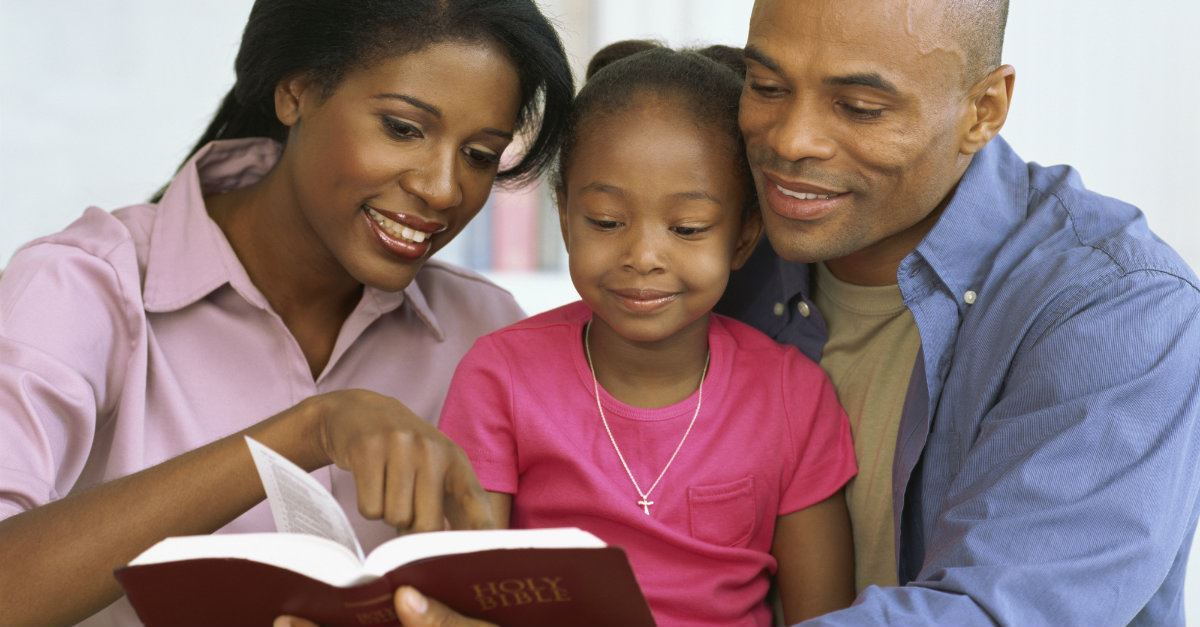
pixel 313 567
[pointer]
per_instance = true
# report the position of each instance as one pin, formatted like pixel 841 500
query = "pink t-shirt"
pixel 770 439
pixel 132 337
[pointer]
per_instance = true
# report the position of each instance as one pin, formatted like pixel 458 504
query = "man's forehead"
pixel 898 33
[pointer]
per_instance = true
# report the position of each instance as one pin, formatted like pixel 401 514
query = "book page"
pixel 419 546
pixel 299 503
pixel 314 557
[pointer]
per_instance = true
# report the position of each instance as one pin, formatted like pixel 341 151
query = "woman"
pixel 278 289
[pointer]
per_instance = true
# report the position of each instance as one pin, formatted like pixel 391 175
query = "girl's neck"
pixel 649 374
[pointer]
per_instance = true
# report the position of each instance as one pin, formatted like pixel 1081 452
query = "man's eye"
pixel 860 113
pixel 765 90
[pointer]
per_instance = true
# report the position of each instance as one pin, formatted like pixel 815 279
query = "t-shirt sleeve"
pixel 820 435
pixel 478 415
pixel 64 340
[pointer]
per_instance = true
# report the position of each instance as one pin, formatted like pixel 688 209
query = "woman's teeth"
pixel 804 196
pixel 396 229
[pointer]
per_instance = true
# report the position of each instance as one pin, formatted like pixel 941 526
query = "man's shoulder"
pixel 1109 235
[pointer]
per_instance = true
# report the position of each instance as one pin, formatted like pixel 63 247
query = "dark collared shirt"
pixel 1046 468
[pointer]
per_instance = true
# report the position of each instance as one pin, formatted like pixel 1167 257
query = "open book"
pixel 315 568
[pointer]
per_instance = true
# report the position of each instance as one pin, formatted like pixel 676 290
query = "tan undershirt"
pixel 872 346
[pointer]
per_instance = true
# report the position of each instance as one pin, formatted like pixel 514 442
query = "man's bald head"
pixel 978 25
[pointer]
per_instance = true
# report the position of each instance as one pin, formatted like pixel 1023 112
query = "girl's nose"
pixel 643 252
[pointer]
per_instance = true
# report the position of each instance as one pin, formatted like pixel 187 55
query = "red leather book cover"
pixel 536 587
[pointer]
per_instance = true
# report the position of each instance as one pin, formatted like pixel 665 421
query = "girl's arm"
pixel 57 560
pixel 815 551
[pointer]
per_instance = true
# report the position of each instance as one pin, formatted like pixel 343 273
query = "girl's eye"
pixel 860 113
pixel 400 129
pixel 481 158
pixel 688 231
pixel 603 225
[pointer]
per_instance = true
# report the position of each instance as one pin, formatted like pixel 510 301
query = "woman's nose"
pixel 436 182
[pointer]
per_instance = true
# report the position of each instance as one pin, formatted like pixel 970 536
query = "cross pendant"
pixel 645 505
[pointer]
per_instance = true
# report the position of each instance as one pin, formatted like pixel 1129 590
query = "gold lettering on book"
pixel 381 616
pixel 511 592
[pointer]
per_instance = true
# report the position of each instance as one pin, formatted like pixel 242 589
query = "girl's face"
pixel 652 218
pixel 393 164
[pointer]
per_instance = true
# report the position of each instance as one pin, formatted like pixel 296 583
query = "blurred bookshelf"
pixel 515 241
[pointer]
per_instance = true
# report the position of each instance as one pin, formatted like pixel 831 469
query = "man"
pixel 1017 355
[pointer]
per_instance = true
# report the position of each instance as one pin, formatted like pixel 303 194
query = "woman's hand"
pixel 412 608
pixel 405 471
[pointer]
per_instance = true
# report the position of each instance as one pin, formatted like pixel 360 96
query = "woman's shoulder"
pixel 99 248
pixel 460 297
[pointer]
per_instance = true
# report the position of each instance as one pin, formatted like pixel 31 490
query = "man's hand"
pixel 413 610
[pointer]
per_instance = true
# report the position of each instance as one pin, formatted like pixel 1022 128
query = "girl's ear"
pixel 289 94
pixel 560 199
pixel 752 228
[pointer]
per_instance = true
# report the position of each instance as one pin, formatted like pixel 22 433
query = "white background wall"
pixel 100 100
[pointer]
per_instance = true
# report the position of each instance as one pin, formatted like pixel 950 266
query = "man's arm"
pixel 1080 487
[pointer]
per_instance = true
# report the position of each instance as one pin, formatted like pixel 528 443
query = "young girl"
pixel 712 455
pixel 279 289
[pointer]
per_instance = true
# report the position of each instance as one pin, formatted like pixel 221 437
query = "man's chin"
pixel 799 243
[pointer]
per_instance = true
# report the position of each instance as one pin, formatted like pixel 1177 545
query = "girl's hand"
pixel 406 471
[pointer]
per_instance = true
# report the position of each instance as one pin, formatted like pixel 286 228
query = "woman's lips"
pixel 399 240
pixel 642 300
pixel 800 201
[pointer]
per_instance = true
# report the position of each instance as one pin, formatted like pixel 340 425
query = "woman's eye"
pixel 481 158
pixel 401 129
pixel 860 113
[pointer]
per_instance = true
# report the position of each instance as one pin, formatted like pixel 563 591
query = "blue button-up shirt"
pixel 1046 468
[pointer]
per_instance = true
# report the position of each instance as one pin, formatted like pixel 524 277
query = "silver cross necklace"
pixel 645 501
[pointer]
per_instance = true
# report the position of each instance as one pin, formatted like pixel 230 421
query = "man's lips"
pixel 797 200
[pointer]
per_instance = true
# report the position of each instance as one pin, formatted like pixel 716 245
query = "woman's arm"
pixel 58 559
pixel 815 551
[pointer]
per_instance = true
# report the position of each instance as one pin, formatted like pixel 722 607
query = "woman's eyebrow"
pixel 416 102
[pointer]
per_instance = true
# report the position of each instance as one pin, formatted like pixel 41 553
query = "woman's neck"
pixel 304 284
pixel 649 374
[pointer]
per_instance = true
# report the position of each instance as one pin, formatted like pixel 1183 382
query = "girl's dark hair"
pixel 329 38
pixel 708 82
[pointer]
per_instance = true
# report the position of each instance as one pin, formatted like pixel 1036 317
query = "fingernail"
pixel 414 601
pixel 282 621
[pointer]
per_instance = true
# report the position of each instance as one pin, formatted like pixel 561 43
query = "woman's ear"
pixel 752 228
pixel 289 96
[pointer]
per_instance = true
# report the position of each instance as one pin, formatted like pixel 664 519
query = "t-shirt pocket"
pixel 723 514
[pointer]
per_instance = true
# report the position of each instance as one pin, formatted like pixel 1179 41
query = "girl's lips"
pixel 398 246
pixel 643 300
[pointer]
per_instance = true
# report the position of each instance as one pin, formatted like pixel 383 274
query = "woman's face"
pixel 393 164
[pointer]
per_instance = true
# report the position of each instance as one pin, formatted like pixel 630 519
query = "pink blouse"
pixel 133 336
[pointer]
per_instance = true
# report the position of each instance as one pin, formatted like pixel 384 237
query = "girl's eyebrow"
pixel 698 194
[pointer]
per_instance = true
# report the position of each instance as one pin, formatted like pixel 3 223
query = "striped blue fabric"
pixel 1046 468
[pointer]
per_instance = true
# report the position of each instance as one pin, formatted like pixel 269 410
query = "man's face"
pixel 853 114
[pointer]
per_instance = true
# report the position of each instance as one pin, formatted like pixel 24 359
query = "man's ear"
pixel 752 228
pixel 988 108
pixel 289 97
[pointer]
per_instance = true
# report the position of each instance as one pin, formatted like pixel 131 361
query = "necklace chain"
pixel 645 502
